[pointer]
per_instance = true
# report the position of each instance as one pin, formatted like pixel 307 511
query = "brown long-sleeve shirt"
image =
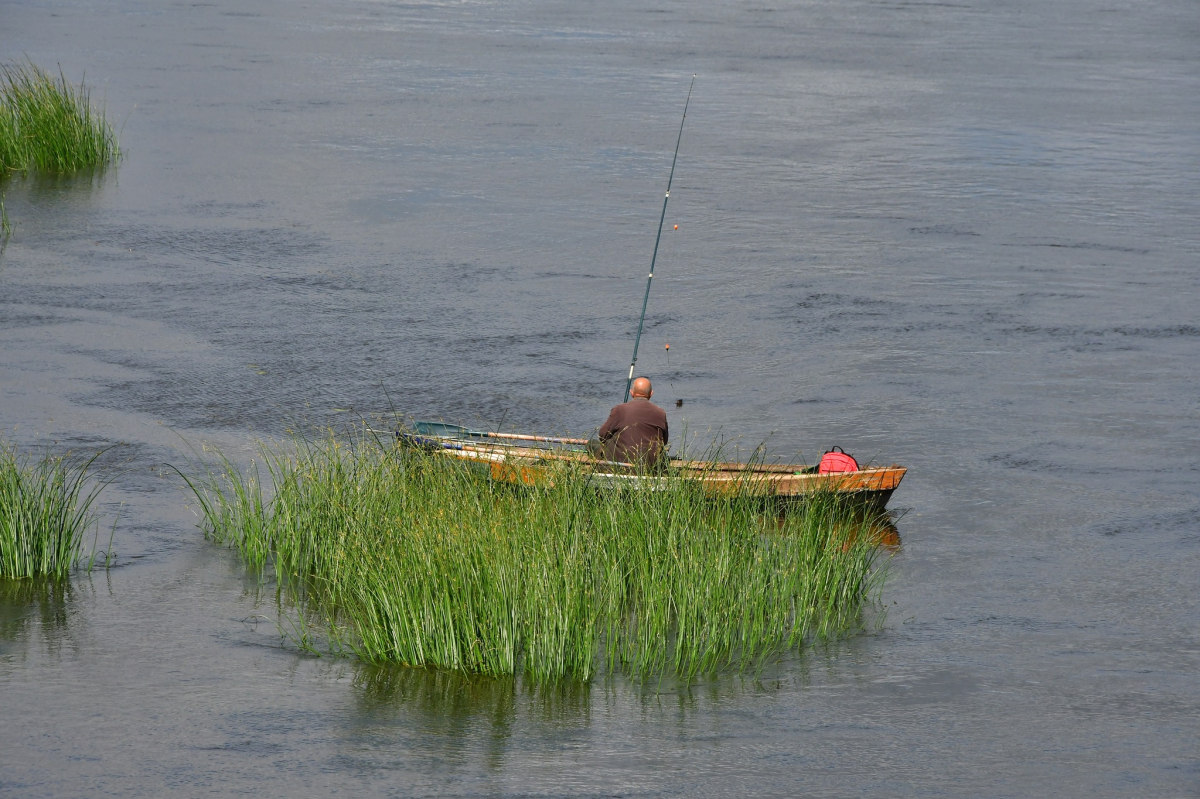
pixel 635 432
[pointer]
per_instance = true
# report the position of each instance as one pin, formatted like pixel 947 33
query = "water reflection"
pixel 461 718
pixel 450 704
pixel 29 196
pixel 43 604
pixel 445 698
pixel 439 728
pixel 53 184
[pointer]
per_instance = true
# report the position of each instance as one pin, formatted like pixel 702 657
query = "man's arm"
pixel 611 426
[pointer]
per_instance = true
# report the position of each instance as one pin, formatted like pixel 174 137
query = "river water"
pixel 960 236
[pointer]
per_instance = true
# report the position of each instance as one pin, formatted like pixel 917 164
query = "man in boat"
pixel 635 431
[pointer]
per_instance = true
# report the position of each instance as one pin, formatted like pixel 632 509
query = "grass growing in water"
pixel 45 509
pixel 415 558
pixel 49 124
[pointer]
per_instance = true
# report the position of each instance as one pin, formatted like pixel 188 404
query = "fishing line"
pixel 670 381
pixel 668 250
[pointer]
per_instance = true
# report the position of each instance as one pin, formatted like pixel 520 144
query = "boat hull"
pixel 870 488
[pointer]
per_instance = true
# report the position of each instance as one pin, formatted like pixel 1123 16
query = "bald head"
pixel 641 388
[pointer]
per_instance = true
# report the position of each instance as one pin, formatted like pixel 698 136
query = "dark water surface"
pixel 959 236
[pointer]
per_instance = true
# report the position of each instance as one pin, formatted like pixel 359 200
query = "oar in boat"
pixel 444 429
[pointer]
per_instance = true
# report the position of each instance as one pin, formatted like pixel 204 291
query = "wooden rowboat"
pixel 527 464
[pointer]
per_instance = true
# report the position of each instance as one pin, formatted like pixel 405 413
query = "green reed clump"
pixel 49 124
pixel 416 558
pixel 45 509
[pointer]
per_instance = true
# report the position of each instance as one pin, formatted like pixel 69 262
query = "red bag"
pixel 835 460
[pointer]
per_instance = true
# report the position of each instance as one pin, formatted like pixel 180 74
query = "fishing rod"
pixel 653 258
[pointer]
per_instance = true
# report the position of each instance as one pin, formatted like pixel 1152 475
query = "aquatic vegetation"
pixel 49 124
pixel 406 556
pixel 45 509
